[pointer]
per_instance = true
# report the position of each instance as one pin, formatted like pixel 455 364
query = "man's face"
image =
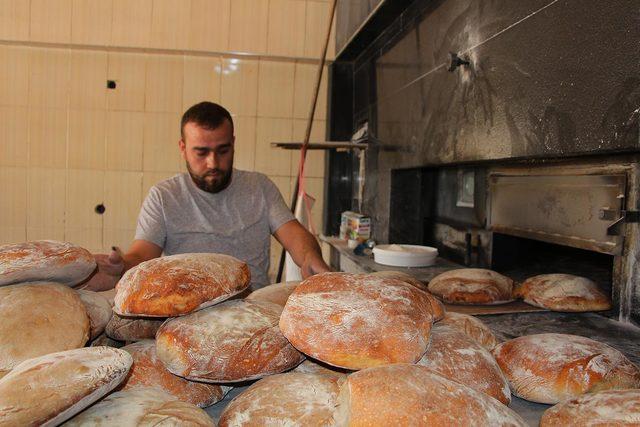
pixel 209 155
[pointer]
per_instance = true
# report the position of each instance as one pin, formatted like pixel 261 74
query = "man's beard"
pixel 220 183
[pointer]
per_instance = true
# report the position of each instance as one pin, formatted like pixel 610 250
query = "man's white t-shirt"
pixel 238 221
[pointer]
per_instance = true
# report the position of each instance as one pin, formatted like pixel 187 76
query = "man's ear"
pixel 183 148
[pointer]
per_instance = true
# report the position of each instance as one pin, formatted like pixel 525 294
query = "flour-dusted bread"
pixel 142 407
pixel 563 292
pixel 98 309
pixel 149 371
pixel 49 389
pixel 605 408
pixel 179 284
pixel 45 260
pixel 234 341
pixel 472 327
pixel 38 319
pixel 549 368
pixel 132 328
pixel 472 286
pixel 412 395
pixel 291 399
pixel 355 321
pixel 277 293
pixel 454 355
pixel 109 295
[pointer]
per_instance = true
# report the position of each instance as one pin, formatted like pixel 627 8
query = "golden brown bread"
pixel 234 341
pixel 412 395
pixel 472 286
pixel 132 328
pixel 549 368
pixel 38 319
pixel 45 260
pixel 142 407
pixel 606 408
pixel 472 327
pixel 179 284
pixel 49 389
pixel 356 321
pixel 457 357
pixel 563 292
pixel 148 370
pixel 98 310
pixel 310 366
pixel 291 399
pixel 277 293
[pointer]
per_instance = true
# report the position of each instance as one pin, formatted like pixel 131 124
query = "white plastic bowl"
pixel 405 255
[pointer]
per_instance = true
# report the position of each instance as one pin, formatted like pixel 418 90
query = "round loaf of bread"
pixel 454 355
pixel 472 286
pixel 38 319
pixel 98 309
pixel 234 341
pixel 605 408
pixel 550 368
pixel 179 284
pixel 277 293
pixel 50 389
pixel 149 371
pixel 291 399
pixel 45 260
pixel 355 321
pixel 142 407
pixel 412 395
pixel 563 292
pixel 472 327
pixel 132 328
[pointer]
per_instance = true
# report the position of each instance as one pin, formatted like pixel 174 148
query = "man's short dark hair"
pixel 208 115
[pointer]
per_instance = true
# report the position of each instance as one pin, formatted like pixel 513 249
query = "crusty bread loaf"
pixel 132 328
pixel 104 340
pixel 49 389
pixel 277 294
pixel 412 395
pixel 472 327
pixel 563 292
pixel 355 321
pixel 179 284
pixel 407 278
pixel 454 355
pixel 38 319
pixel 291 399
pixel 98 309
pixel 142 407
pixel 310 366
pixel 234 341
pixel 549 368
pixel 606 408
pixel 149 371
pixel 45 260
pixel 472 286
pixel 109 295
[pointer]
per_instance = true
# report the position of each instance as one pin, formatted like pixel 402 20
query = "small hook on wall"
pixel 455 61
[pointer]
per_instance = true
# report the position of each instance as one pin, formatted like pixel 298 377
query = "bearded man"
pixel 213 208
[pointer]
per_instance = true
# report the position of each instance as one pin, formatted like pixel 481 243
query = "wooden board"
pixel 479 310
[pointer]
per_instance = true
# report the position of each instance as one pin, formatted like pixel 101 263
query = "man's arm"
pixel 302 247
pixel 111 267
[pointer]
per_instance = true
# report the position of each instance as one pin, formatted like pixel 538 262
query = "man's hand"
pixel 110 269
pixel 315 265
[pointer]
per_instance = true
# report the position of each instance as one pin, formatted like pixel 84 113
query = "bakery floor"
pixel 622 336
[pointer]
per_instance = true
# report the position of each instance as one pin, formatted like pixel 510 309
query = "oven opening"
pixel 520 258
